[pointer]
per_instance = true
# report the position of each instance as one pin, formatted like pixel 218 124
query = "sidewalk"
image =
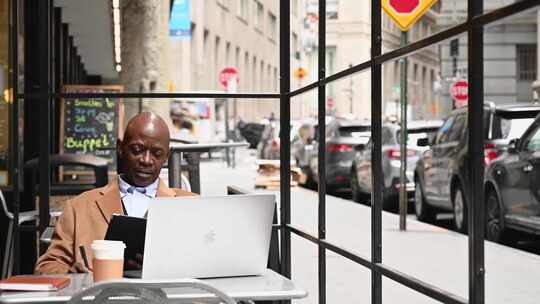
pixel 429 253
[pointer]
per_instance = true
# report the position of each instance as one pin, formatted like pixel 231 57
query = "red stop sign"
pixel 330 102
pixel 227 74
pixel 404 6
pixel 460 92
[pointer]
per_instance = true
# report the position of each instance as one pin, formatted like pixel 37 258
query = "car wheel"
pixel 460 210
pixel 310 180
pixel 390 203
pixel 424 212
pixel 495 231
pixel 357 195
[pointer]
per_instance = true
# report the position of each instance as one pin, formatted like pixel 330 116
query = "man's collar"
pixel 110 201
pixel 151 190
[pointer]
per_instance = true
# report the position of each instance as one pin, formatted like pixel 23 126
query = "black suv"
pixel 512 184
pixel 441 173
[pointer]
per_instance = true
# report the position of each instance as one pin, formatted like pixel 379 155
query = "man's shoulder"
pixel 86 197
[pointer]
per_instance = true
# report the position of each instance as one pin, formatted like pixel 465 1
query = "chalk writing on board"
pixel 91 125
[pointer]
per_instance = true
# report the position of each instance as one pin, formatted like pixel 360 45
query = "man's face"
pixel 143 155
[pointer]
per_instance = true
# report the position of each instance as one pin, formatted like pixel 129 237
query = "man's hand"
pixel 79 268
pixel 135 264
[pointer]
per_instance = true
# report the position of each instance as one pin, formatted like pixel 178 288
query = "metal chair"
pixel 140 291
pixel 26 216
pixel 98 165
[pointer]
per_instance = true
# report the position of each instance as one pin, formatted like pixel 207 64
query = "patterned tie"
pixel 141 190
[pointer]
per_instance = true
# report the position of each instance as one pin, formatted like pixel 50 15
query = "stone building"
pixel 348 43
pixel 239 33
pixel 510 54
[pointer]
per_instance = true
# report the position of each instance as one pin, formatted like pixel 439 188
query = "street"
pixel 430 253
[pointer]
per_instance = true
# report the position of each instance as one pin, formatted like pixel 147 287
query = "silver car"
pixel 391 164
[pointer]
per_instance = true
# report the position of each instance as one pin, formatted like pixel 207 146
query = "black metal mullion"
pixel 15 166
pixel 322 150
pixel 376 153
pixel 45 110
pixel 152 95
pixel 474 203
pixel 285 156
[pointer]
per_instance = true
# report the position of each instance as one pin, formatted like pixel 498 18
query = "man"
pixel 142 153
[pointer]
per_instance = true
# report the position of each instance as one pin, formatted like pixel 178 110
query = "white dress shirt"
pixel 136 199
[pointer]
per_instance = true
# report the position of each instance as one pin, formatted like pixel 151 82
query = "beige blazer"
pixel 85 218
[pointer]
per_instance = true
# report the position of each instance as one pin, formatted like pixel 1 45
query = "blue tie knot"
pixel 141 190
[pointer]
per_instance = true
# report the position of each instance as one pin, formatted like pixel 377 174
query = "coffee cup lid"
pixel 108 243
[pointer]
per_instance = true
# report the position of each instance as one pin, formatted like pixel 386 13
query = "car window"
pixel 534 142
pixel 354 131
pixel 442 134
pixel 509 128
pixel 414 135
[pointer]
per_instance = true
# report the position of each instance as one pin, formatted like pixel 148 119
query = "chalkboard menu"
pixel 91 125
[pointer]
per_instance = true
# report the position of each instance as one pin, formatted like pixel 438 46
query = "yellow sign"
pixel 405 13
pixel 300 73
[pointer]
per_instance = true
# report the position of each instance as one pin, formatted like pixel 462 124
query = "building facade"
pixel 232 33
pixel 510 55
pixel 348 44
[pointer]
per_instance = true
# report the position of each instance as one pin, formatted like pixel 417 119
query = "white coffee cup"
pixel 108 259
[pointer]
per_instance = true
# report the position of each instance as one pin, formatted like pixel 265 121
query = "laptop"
pixel 208 236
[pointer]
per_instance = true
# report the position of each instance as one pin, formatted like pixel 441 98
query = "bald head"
pixel 144 148
pixel 148 123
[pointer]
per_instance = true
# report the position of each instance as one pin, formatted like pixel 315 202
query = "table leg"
pixel 193 160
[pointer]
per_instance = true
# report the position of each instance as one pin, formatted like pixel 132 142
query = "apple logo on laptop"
pixel 210 237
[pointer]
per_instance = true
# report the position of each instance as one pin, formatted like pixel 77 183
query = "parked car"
pixel 441 174
pixel 269 144
pixel 512 188
pixel 252 132
pixel 391 161
pixel 341 136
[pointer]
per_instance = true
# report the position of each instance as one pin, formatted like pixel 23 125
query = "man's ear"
pixel 168 153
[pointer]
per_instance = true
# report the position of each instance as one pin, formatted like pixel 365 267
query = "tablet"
pixel 130 230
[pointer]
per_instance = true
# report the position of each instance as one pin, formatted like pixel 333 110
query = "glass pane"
pixel 431 181
pixel 346 281
pixel 348 34
pixel 171 46
pixel 304 158
pixel 499 4
pixel 304 255
pixel 511 91
pixel 441 15
pixel 304 42
pixel 510 58
pixel 394 292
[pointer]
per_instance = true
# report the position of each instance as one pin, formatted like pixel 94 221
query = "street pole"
pixel 227 131
pixel 351 86
pixel 403 143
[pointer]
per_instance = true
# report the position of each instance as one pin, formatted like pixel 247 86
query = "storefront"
pixel 59 43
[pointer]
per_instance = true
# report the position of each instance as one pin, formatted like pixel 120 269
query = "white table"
pixel 270 286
